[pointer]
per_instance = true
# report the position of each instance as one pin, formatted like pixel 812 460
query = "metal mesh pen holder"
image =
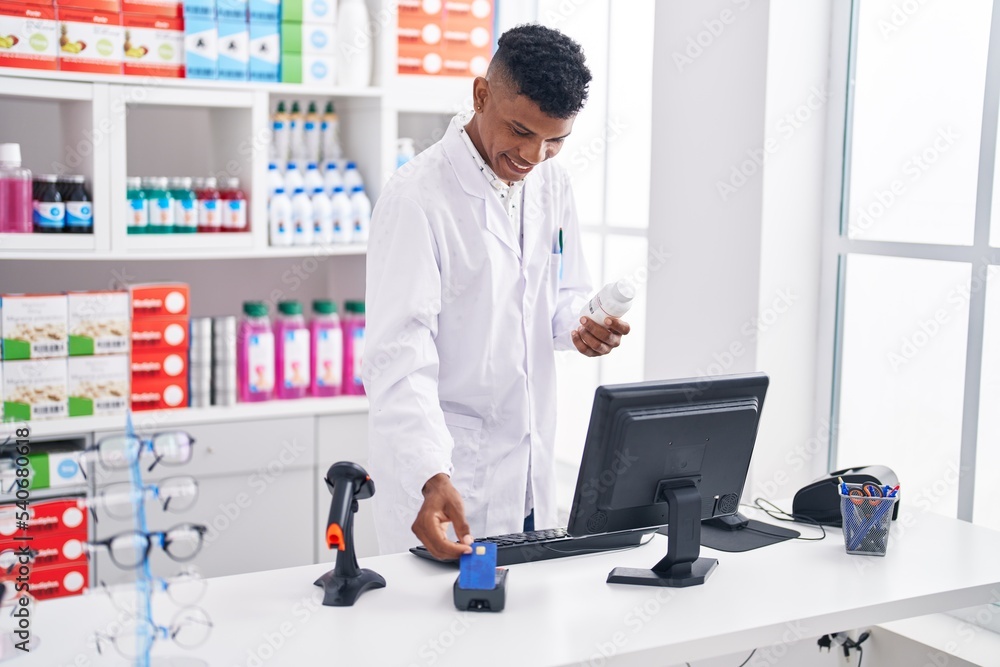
pixel 866 523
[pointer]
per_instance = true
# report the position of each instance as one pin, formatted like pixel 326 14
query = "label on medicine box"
pixel 234 50
pixel 305 68
pixel 232 10
pixel 160 300
pixel 309 11
pixel 163 394
pixel 90 41
pixel 199 9
pixel 154 46
pixel 55 469
pixel 33 325
pixel 312 38
pixel 110 6
pixel 28 36
pixel 34 389
pixel 201 48
pixel 264 11
pixel 265 51
pixel 98 385
pixel 160 333
pixel 98 323
pixel 171 9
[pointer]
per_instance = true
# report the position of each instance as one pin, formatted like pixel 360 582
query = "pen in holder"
pixel 867 514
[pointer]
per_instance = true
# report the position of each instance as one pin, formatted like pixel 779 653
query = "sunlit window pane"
pixel 905 329
pixel 917 117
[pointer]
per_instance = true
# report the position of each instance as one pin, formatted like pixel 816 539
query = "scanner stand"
pixel 344 584
pixel 681 567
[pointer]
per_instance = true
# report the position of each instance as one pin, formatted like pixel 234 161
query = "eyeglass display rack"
pixel 144 623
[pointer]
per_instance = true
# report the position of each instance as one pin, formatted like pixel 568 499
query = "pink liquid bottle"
pixel 15 192
pixel 255 354
pixel 292 359
pixel 234 207
pixel 354 347
pixel 209 206
pixel 327 346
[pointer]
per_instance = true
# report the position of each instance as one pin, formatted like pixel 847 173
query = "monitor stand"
pixel 681 567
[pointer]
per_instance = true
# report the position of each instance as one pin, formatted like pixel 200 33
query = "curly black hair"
pixel 544 65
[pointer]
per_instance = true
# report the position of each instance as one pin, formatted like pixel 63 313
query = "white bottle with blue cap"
pixel 280 218
pixel 313 179
pixel 352 177
pixel 274 179
pixel 362 214
pixel 302 218
pixel 343 214
pixel 332 177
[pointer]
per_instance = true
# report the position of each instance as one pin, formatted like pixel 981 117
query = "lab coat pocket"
pixel 467 432
pixel 552 286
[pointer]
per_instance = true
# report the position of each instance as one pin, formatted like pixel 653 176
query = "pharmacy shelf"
pixel 430 94
pixel 164 419
pixel 170 249
pixel 195 84
pixel 59 245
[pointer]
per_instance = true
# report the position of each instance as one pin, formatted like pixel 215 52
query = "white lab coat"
pixel 459 364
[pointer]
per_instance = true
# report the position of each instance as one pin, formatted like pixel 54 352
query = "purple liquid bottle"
pixel 255 354
pixel 327 343
pixel 15 192
pixel 292 360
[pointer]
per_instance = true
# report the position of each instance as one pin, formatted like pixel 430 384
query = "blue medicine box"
pixel 201 48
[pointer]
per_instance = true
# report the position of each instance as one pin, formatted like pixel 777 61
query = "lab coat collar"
pixel 475 185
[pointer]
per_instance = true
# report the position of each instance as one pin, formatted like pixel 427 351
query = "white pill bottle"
pixel 613 300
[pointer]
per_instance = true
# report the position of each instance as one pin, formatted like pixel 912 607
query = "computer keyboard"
pixel 544 544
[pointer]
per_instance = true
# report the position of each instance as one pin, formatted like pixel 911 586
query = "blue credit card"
pixel 478 570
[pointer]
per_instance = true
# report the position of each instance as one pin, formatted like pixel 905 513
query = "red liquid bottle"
pixel 234 207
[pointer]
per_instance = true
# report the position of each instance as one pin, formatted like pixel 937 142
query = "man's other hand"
pixel 442 505
pixel 594 340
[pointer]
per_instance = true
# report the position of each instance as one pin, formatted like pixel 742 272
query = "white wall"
pixel 739 106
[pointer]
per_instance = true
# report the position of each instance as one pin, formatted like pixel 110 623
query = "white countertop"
pixel 561 611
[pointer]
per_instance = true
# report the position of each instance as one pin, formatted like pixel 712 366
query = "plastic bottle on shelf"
pixel 312 134
pixel 352 177
pixel 274 179
pixel 49 216
pixel 209 205
pixel 354 347
pixel 161 205
pixel 138 206
pixel 255 354
pixel 234 206
pixel 322 210
pixel 332 177
pixel 302 218
pixel 614 300
pixel 79 207
pixel 280 219
pixel 330 129
pixel 354 70
pixel 362 215
pixel 296 122
pixel 313 179
pixel 405 151
pixel 16 208
pixel 292 359
pixel 293 177
pixel 185 205
pixel 281 136
pixel 327 349
pixel 343 216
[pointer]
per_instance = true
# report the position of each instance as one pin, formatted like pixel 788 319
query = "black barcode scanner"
pixel 342 586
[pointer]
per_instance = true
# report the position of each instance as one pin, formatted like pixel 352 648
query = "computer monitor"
pixel 667 453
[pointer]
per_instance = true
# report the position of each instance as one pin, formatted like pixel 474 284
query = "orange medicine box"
pixel 154 45
pixel 420 59
pixel 90 41
pixel 159 333
pixel 46 517
pixel 29 36
pixel 170 9
pixel 46 583
pixel 160 300
pixel 160 394
pixel 161 364
pixel 110 6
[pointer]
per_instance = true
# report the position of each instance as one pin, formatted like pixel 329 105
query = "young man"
pixel 475 276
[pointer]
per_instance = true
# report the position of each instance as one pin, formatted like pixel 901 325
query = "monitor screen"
pixel 687 440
